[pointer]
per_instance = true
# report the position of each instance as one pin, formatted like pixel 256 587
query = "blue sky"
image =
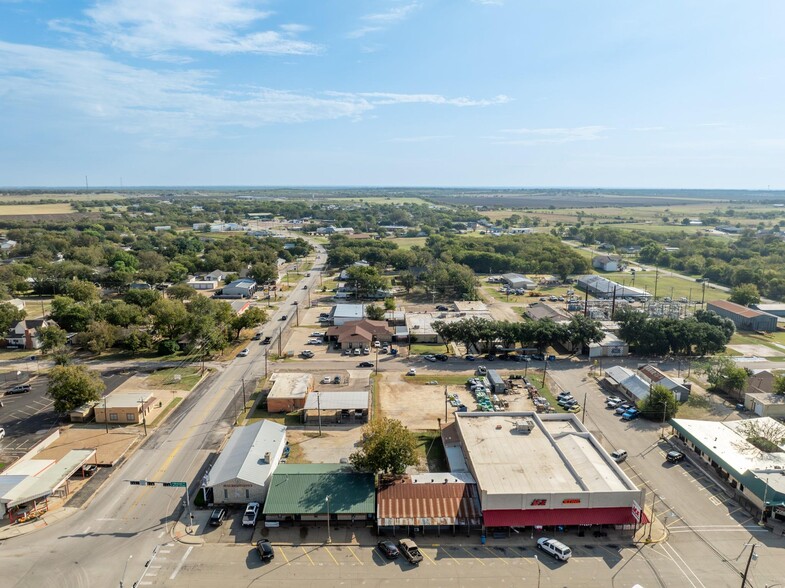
pixel 514 93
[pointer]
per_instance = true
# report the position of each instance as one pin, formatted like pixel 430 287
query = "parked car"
pixel 674 456
pixel 347 351
pixel 217 516
pixel 619 455
pixel 411 372
pixel 613 402
pixel 366 351
pixel 442 308
pixel 357 351
pixel 469 357
pixel 256 337
pixel 388 549
pixel 265 549
pixel 482 370
pixel 630 414
pixel 326 380
pixel 410 551
pixel 251 512
pixel 622 408
pixel 538 357
pixel 266 340
pixel 337 380
pixel 244 353
pixel 441 357
pixel 365 364
pixel 564 394
pixel 283 318
pixel 429 357
pixel 555 548
pixel 306 354
pixel 317 334
pixel 20 389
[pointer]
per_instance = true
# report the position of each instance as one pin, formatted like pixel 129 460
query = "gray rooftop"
pixel 345 400
pixel 243 455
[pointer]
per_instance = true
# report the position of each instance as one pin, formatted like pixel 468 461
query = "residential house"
pixel 26 334
pixel 606 263
pixel 653 375
pixel 362 333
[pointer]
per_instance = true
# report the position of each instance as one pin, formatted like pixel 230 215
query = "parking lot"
pixel 27 417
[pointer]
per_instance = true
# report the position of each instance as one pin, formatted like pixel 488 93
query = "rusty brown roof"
pixel 406 503
pixel 737 308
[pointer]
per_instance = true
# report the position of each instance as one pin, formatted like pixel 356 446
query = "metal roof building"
pixel 745 319
pixel 755 475
pixel 543 470
pixel 600 287
pixel 431 500
pixel 242 471
pixel 299 492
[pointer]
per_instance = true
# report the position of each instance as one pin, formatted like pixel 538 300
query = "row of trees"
pixel 705 333
pixel 483 333
pixel 144 319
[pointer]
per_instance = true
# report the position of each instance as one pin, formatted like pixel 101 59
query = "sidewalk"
pixel 347 535
pixel 9 531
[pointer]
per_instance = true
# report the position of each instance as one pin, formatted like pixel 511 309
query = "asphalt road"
pixel 125 526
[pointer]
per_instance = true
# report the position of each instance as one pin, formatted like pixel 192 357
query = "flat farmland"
pixel 8 198
pixel 35 209
pixel 409 242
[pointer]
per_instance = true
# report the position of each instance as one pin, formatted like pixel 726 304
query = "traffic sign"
pixel 176 484
pixel 636 511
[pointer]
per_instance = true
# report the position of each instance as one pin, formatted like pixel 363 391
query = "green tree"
pixel 389 304
pixel 374 312
pixel 9 315
pixel 170 318
pixel 98 337
pixel 582 330
pixel 82 291
pixel 264 272
pixel 660 405
pixel 407 280
pixel 180 292
pixel 52 338
pixel 387 447
pixel 72 386
pixel 251 318
pixel 779 385
pixel 745 294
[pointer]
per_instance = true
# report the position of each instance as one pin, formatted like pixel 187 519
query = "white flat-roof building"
pixel 756 475
pixel 543 470
pixel 289 391
pixel 610 346
pixel 343 313
pixel 241 472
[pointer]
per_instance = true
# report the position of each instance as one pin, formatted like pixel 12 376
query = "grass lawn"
pixel 669 286
pixel 169 407
pixel 17 354
pixel 289 419
pixel 68 197
pixel 431 450
pixel 409 242
pixel 427 348
pixel 444 380
pixel 167 378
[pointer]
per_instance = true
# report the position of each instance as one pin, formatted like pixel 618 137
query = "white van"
pixel 619 455
pixel 556 548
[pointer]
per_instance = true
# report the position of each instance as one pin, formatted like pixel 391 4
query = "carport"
pixel 27 485
pixel 337 407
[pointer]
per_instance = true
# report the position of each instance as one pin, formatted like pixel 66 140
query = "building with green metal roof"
pixel 307 492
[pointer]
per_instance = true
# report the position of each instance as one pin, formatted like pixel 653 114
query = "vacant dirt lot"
pixel 334 443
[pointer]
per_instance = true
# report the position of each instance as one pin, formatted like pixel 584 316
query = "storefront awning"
pixel 560 517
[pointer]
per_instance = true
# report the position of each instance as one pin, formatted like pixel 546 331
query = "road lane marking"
pixel 355 556
pixel 475 557
pixel 181 562
pixel 327 549
pixel 686 565
pixel 308 556
pixel 669 556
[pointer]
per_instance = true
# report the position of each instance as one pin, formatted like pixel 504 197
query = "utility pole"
pixel 144 417
pixel 656 279
pixel 583 414
pixel 319 411
pixel 329 538
pixel 703 295
pixel 266 354
pixel 765 495
pixel 106 416
pixel 747 567
pixel 445 405
pixel 243 380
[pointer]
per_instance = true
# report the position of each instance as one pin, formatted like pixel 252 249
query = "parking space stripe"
pixel 474 556
pixel 283 553
pixel 355 556
pixel 327 549
pixel 308 556
pixel 450 556
pixel 428 556
pixel 489 550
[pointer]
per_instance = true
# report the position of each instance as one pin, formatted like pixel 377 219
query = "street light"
pixel 125 569
pixel 329 538
pixel 539 571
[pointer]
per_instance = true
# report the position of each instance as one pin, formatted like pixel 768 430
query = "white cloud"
pixel 526 136
pixel 385 98
pixel 153 28
pixel 422 139
pixel 379 21
pixel 489 2
pixel 179 103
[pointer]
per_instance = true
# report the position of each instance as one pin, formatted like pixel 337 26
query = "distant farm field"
pixel 409 242
pixel 69 197
pixel 32 209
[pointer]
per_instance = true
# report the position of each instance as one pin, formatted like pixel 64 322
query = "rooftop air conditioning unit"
pixel 267 457
pixel 524 426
